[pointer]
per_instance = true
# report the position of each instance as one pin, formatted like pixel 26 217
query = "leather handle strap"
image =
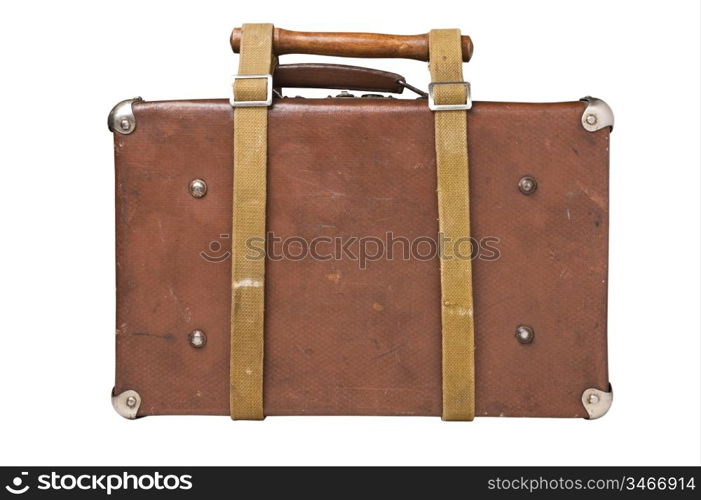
pixel 458 356
pixel 364 45
pixel 336 76
pixel 248 222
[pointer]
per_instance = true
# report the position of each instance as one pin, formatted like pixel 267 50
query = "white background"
pixel 63 66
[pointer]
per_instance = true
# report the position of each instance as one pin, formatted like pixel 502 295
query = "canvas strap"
pixel 247 273
pixel 445 63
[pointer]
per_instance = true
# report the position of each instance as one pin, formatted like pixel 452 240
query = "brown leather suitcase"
pixel 354 311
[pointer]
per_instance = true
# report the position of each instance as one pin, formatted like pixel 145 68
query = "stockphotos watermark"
pixel 360 249
pixel 103 483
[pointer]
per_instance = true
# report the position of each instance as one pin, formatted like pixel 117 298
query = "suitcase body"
pixel 352 287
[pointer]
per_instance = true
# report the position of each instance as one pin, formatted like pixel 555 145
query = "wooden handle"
pixel 351 44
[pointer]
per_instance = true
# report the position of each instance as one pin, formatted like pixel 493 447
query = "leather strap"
pixel 336 76
pixel 247 274
pixel 445 63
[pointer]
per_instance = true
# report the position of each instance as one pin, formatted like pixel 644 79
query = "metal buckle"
pixel 243 104
pixel 449 107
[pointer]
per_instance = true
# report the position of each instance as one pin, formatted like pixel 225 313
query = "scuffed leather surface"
pixel 339 339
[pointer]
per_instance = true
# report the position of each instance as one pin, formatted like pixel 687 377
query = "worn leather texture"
pixel 341 339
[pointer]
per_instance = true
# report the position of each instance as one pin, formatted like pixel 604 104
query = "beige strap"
pixel 247 274
pixel 445 54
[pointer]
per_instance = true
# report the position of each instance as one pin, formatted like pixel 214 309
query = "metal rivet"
pixel 198 188
pixel 131 401
pixel 593 399
pixel 524 334
pixel 198 338
pixel 125 124
pixel 527 184
pixel 591 119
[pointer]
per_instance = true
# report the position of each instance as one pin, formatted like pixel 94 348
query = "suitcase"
pixel 360 254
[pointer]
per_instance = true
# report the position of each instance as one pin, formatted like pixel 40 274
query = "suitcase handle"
pixel 363 45
pixel 337 76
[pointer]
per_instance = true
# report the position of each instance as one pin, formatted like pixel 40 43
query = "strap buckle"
pixel 247 104
pixel 449 107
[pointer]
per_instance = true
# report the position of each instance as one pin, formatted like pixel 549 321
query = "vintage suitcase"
pixel 367 275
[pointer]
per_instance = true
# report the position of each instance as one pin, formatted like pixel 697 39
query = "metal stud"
pixel 131 401
pixel 527 184
pixel 197 339
pixel 593 399
pixel 198 188
pixel 524 334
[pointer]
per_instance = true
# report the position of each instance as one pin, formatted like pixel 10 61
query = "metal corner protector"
pixel 597 402
pixel 597 114
pixel 121 119
pixel 127 403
